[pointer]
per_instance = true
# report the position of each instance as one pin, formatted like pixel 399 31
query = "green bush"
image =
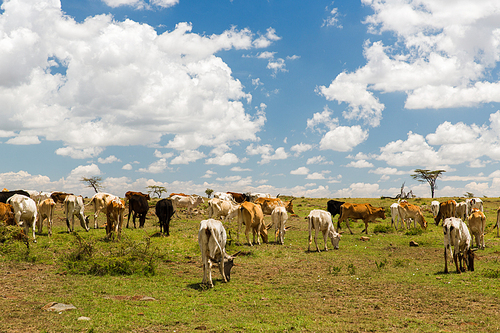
pixel 382 229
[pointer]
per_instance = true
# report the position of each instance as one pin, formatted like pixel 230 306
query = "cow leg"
pixel 366 227
pixel 348 227
pixel 445 261
pixel 33 225
pixel 247 234
pixel 455 258
pixel 68 225
pixel 325 240
pixel 221 268
pixel 316 230
pixel 39 223
pixel 310 234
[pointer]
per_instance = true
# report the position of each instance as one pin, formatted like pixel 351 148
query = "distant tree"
pixel 155 189
pixel 209 192
pixel 427 176
pixel 469 195
pixel 93 182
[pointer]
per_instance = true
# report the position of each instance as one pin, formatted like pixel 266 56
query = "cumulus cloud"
pixel 360 164
pixel 343 138
pixel 300 171
pixel 103 82
pixel 267 153
pixel 155 167
pixel 301 148
pixel 187 157
pixel 109 159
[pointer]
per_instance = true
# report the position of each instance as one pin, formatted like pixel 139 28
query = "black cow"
pixel 137 206
pixel 164 211
pixel 7 194
pixel 333 206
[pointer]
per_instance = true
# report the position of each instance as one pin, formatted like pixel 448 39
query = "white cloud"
pixel 187 157
pixel 127 166
pixel 360 164
pixel 301 148
pixel 343 138
pixel 24 140
pixel 267 153
pixel 225 159
pixel 209 174
pixel 240 169
pixel 86 171
pixel 333 18
pixel 318 160
pixel 109 159
pixel 155 167
pixel 79 153
pixel 300 171
pixel 322 118
pixel 359 190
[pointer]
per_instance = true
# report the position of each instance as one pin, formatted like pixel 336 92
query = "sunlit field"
pixel 150 283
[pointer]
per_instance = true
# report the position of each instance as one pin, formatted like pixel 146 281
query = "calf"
pixel 457 235
pixel 279 217
pixel 212 240
pixel 115 210
pixel 251 215
pixel 25 211
pixel 74 206
pixel 45 211
pixel 7 214
pixel 100 202
pixel 477 224
pixel 137 206
pixel 164 210
pixel 408 211
pixel 321 220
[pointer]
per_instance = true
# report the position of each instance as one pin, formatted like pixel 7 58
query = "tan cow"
pixel 251 215
pixel 7 214
pixel 279 218
pixel 269 204
pixel 74 206
pixel 462 211
pixel 218 208
pixel 446 209
pixel 477 224
pixel 321 220
pixel 45 211
pixel 365 212
pixel 115 210
pixel 188 202
pixel 408 211
pixel 100 201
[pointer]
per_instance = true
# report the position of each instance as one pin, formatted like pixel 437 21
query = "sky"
pixel 324 99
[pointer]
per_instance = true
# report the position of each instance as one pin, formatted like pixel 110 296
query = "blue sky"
pixel 314 99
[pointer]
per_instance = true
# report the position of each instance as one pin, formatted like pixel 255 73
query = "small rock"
pixel 147 298
pixel 83 318
pixel 59 307
pixel 364 238
pixel 413 243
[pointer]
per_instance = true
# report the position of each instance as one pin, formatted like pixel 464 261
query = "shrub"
pixel 382 229
pixel 491 273
pixel 414 232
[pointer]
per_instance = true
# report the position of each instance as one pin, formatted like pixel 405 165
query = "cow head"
pixel 263 232
pixel 421 220
pixel 289 206
pixel 468 258
pixel 335 238
pixel 380 213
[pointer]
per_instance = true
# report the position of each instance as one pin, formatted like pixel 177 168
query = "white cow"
pixel 188 202
pixel 226 208
pixel 254 196
pixel 474 203
pixel 100 201
pixel 279 217
pixel 45 211
pixel 212 240
pixel 74 206
pixel 477 224
pixel 457 234
pixel 223 196
pixel 435 208
pixel 395 218
pixel 321 220
pixel 25 212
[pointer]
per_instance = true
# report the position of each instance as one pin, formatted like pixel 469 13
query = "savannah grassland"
pixel 379 285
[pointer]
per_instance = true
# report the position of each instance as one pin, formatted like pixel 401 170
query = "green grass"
pixel 380 284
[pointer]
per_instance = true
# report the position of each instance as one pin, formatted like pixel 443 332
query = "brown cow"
pixel 365 212
pixel 129 194
pixel 446 209
pixel 239 197
pixel 251 215
pixel 115 210
pixel 477 224
pixel 45 211
pixel 7 214
pixel 408 211
pixel 59 197
pixel 268 205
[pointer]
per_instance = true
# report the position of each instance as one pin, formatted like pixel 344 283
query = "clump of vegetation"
pixel 123 258
pixel 381 264
pixel 351 269
pixel 414 232
pixel 491 273
pixel 401 262
pixel 382 229
pixel 335 270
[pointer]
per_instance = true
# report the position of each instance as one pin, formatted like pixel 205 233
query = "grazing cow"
pixel 189 202
pixel 45 211
pixel 137 206
pixel 212 240
pixel 226 208
pixel 74 206
pixel 251 215
pixel 4 195
pixel 333 206
pixel 457 235
pixel 474 203
pixel 100 201
pixel 25 211
pixel 115 210
pixel 365 212
pixel 408 211
pixel 279 218
pixel 164 210
pixel 223 196
pixel 446 209
pixel 268 205
pixel 128 194
pixel 239 197
pixel 434 208
pixel 59 197
pixel 462 210
pixel 477 224
pixel 321 220
pixel 395 218
pixel 7 214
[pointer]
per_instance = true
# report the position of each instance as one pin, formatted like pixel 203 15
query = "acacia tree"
pixel 155 189
pixel 94 182
pixel 428 176
pixel 209 192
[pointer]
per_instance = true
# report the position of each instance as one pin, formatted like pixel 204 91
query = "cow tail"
pixel 211 233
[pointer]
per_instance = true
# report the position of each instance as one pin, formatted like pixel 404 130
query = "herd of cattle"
pixel 31 208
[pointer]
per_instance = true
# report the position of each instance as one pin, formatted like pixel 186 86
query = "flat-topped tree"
pixel 428 176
